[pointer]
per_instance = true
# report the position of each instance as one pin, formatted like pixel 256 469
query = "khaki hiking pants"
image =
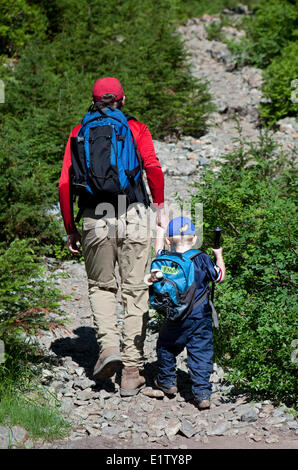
pixel 117 252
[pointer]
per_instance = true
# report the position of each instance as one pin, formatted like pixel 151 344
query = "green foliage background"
pixel 271 43
pixel 253 198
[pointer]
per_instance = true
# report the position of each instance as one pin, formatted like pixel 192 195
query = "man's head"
pixel 181 233
pixel 108 90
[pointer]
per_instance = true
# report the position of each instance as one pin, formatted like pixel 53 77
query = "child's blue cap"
pixel 180 226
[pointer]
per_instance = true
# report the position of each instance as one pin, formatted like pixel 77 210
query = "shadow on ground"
pixel 83 349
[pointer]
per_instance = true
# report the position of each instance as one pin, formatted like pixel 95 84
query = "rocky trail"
pixel 100 418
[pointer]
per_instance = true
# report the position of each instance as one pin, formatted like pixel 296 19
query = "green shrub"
pixel 271 27
pixel 253 199
pixel 28 303
pixel 193 8
pixel 279 79
pixel 20 22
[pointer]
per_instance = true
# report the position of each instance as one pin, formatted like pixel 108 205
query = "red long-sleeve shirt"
pixel 151 165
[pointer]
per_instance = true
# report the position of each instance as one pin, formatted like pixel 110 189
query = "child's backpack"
pixel 105 160
pixel 173 296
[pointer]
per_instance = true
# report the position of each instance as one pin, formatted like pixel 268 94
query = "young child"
pixel 194 332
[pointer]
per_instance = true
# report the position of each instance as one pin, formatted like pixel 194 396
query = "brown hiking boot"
pixel 169 390
pixel 204 405
pixel 108 363
pixel 131 381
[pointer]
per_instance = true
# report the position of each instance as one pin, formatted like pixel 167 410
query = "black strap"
pixel 146 197
pixel 103 115
pixel 130 118
pixel 202 298
pixel 196 254
pixel 214 313
pixel 79 215
pixel 172 253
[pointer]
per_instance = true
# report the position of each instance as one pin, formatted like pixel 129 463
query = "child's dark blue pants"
pixel 194 333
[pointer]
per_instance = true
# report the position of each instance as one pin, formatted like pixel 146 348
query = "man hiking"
pixel 113 241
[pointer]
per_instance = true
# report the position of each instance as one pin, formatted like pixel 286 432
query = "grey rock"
pixel 83 383
pixel 250 415
pixel 293 425
pixel 86 394
pixel 232 432
pixel 5 439
pixel 255 437
pixel 276 420
pixel 187 428
pixel 156 424
pixel 204 161
pixel 242 408
pixel 105 395
pixel 81 412
pixel 220 52
pixel 247 430
pixel 147 407
pixel 271 439
pixel 279 411
pixel 219 429
pixel 92 431
pixel 79 371
pixel 18 434
pixel 113 402
pixel 289 417
pixel 172 428
pixel 108 414
pixel 67 405
pixel 124 434
pixel 229 415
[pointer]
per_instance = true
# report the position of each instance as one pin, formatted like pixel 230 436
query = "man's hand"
pixel 159 241
pixel 72 240
pixel 161 218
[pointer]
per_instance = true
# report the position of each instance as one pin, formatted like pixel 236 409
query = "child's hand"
pixel 220 261
pixel 217 252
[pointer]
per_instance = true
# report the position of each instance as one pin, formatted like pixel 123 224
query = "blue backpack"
pixel 173 296
pixel 105 160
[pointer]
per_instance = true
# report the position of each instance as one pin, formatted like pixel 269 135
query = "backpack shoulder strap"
pixel 172 253
pixel 191 254
pixel 130 118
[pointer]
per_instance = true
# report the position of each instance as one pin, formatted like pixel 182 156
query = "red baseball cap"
pixel 107 85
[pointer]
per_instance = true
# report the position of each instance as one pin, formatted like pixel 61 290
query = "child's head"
pixel 181 234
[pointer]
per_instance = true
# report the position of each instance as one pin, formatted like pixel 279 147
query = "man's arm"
pixel 65 198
